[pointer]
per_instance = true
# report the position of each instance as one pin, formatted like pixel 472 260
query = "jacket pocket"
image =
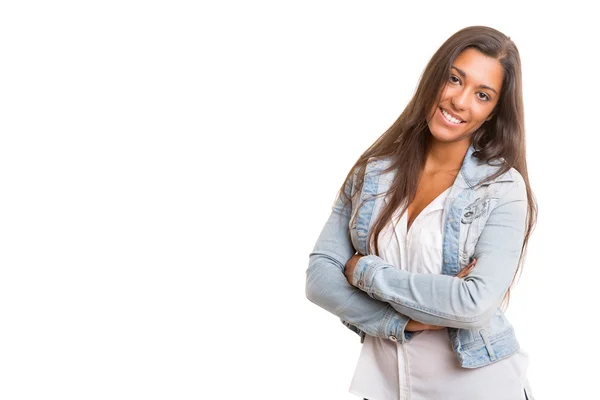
pixel 472 222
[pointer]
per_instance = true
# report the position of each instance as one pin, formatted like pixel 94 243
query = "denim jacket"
pixel 482 221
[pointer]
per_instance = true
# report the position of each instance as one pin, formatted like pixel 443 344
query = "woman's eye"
pixel 456 80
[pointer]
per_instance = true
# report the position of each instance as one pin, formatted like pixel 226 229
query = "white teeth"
pixel 450 117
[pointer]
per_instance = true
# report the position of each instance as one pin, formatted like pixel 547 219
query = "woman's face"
pixel 468 98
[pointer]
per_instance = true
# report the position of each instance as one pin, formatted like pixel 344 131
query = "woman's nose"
pixel 460 100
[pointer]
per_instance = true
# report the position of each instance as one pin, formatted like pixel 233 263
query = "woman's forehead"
pixel 479 69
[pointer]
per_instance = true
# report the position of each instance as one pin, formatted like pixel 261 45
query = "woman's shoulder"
pixel 488 172
pixel 512 175
pixel 510 185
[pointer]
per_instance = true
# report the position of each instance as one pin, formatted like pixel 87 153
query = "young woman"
pixel 429 230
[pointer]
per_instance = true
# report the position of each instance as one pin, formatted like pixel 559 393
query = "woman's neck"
pixel 445 156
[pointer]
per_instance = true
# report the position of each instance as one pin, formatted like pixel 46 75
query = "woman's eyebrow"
pixel 464 76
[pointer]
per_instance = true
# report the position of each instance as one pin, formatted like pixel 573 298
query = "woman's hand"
pixel 350 265
pixel 465 271
pixel 414 326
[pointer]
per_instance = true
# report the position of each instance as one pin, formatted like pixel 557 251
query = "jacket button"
pixel 360 283
pixel 393 338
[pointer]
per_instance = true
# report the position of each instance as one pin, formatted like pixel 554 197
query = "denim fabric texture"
pixel 483 221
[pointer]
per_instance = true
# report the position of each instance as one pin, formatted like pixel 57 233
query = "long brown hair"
pixel 405 142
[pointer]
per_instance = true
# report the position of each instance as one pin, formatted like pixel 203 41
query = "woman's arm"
pixel 447 300
pixel 412 325
pixel 327 286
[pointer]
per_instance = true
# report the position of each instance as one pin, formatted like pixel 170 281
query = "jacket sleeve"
pixel 326 284
pixel 447 300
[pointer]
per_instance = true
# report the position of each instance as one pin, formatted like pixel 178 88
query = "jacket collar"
pixel 473 171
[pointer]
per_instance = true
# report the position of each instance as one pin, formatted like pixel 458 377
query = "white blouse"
pixel 426 367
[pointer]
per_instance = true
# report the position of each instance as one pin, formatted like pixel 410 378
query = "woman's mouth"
pixel 449 118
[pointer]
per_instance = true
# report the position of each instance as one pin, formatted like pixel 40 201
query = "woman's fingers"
pixel 465 271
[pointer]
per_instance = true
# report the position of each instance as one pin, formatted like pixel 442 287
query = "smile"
pixel 448 117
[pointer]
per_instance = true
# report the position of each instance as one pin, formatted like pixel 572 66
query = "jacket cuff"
pixel 362 278
pixel 364 273
pixel 394 328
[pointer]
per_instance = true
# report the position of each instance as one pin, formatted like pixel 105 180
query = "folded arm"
pixel 447 300
pixel 327 286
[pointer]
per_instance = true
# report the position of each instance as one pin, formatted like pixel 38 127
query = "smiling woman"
pixel 429 230
pixel 469 96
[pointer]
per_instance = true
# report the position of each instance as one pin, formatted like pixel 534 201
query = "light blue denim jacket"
pixel 482 221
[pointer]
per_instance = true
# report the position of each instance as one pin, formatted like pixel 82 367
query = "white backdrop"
pixel 166 167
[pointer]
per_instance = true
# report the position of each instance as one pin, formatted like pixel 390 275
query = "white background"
pixel 166 167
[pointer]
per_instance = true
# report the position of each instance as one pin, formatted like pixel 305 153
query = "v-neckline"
pixel 405 216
